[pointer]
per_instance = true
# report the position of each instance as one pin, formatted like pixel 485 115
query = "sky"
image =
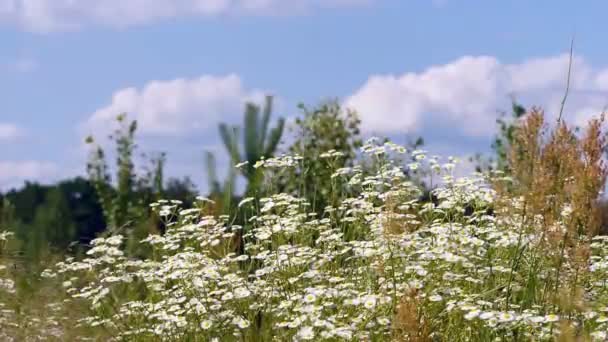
pixel 441 69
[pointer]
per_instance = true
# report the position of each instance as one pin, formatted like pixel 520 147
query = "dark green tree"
pixel 7 214
pixel 85 209
pixel 78 215
pixel 52 229
pixel 181 189
pixel 25 200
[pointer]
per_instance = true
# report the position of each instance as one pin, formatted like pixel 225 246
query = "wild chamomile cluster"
pixel 464 264
pixel 7 288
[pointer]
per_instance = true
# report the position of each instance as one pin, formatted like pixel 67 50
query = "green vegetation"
pixel 330 238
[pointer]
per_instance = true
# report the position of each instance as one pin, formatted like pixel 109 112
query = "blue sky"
pixel 439 69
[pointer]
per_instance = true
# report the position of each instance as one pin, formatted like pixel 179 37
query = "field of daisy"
pixel 501 255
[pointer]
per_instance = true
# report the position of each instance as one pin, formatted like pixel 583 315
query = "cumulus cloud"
pixel 466 94
pixel 14 173
pixel 61 15
pixel 10 132
pixel 177 107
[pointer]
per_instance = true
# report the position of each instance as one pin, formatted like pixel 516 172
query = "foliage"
pixel 327 138
pixel 259 142
pixel 118 205
pixel 126 206
pixel 48 218
pixel 52 226
pixel 522 264
pixel 182 189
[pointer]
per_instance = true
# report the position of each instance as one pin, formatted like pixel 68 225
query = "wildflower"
pixel 472 314
pixel 4 235
pixel 241 322
pixel 206 324
pixel 326 154
pixel 262 235
pixel 344 333
pixel 204 200
pixel 295 323
pixel 505 317
pixel 241 292
pixel 242 257
pixel 421 272
pixel 245 201
pixel 551 318
pixel 435 298
pixel 369 302
pixel 537 319
pixel 306 333
pixel 241 164
pixel 186 212
pixel 310 298
pixel 486 315
pixel 567 211
pixel 384 321
pixel 590 314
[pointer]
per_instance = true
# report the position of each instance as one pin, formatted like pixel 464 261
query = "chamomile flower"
pixel 206 324
pixel 551 318
pixel 306 333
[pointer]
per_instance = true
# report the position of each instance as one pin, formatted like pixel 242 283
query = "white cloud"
pixel 60 15
pixel 10 132
pixel 177 107
pixel 14 173
pixel 467 94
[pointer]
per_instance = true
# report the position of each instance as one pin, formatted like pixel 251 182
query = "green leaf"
pixel 274 138
pixel 265 120
pixel 252 148
pixel 229 139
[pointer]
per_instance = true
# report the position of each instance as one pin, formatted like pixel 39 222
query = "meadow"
pixel 370 241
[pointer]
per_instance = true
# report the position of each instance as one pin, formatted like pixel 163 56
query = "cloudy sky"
pixel 441 69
